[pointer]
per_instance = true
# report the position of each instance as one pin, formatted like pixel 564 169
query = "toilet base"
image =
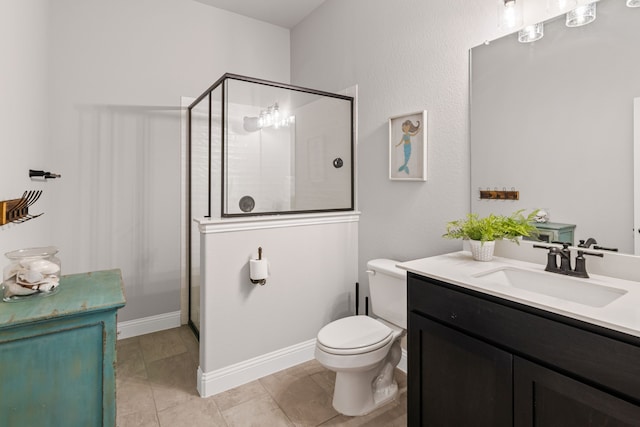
pixel 353 396
pixel 360 392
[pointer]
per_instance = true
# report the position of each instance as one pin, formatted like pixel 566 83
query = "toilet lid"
pixel 353 332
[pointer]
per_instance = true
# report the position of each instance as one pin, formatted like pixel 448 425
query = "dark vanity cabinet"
pixel 478 360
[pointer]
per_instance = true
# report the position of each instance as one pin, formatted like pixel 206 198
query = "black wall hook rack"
pixel 43 174
pixel 17 210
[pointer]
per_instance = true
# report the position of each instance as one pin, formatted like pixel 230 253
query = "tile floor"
pixel 156 387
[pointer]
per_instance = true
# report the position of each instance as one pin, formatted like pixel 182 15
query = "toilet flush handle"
pixel 372 272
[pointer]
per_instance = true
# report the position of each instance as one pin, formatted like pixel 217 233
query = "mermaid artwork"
pixel 408 130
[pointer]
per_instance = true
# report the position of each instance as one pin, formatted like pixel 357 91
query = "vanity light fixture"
pixel 269 117
pixel 531 33
pixel 633 3
pixel 509 14
pixel 557 7
pixel 581 15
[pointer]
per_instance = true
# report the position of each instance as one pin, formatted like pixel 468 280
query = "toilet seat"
pixel 354 335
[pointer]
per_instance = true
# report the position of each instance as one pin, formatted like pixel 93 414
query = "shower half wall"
pixel 259 148
pixel 280 181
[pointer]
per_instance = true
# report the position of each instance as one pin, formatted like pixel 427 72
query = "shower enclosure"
pixel 259 148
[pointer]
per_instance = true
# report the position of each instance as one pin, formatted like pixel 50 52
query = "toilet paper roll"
pixel 258 269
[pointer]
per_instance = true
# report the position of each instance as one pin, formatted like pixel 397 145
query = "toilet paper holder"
pixel 263 269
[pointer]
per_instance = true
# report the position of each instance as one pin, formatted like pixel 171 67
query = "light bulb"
pixel 582 15
pixel 509 14
pixel 268 118
pixel 560 6
pixel 633 3
pixel 531 33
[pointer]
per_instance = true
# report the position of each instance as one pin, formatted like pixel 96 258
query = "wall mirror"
pixel 554 120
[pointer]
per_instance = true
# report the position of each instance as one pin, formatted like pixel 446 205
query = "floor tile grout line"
pixel 302 371
pixel 276 401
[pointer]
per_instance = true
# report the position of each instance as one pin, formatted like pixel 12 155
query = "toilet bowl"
pixel 364 351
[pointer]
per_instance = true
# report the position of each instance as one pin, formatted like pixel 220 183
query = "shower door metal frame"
pixel 237 77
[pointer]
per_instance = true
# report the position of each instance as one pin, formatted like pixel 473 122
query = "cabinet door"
pixel 456 380
pixel 59 372
pixel 546 398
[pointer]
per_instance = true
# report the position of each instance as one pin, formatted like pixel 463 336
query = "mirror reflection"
pixel 553 120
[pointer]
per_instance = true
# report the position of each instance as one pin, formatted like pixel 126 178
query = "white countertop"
pixel 458 268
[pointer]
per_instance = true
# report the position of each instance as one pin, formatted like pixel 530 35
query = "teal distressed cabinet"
pixel 57 354
pixel 555 232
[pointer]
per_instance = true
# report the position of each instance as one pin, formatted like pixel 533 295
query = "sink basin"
pixel 581 291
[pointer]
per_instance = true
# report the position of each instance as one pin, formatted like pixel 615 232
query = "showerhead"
pixel 250 124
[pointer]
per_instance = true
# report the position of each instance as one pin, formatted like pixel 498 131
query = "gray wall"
pixel 118 70
pixel 404 56
pixel 310 283
pixel 111 68
pixel 23 117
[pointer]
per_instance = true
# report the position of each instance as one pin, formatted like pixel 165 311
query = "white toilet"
pixel 364 351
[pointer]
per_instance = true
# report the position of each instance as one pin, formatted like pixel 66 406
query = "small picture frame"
pixel 408 147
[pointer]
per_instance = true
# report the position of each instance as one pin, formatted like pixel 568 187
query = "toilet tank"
pixel 388 290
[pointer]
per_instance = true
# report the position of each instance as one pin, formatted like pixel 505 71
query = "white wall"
pixel 24 118
pixel 118 70
pixel 405 56
pixel 312 277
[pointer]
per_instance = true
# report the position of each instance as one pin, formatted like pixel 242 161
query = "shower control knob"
pixel 337 163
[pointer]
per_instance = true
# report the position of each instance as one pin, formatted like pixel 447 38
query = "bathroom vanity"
pixel 57 354
pixel 485 351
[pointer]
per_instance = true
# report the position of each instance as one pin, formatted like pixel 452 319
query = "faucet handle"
pixel 587 244
pixel 544 247
pixel 581 267
pixel 602 248
pixel 552 257
pixel 553 250
pixel 581 253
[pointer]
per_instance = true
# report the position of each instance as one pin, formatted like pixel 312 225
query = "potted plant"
pixel 483 232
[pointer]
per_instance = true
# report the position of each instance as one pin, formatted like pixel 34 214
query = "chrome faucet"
pixel 580 269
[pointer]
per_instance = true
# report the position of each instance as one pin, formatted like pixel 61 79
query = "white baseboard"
pixel 213 382
pixel 147 325
pixel 210 383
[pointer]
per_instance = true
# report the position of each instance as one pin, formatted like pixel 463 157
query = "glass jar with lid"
pixel 30 271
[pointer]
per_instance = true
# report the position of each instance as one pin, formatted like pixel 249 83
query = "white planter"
pixel 482 251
